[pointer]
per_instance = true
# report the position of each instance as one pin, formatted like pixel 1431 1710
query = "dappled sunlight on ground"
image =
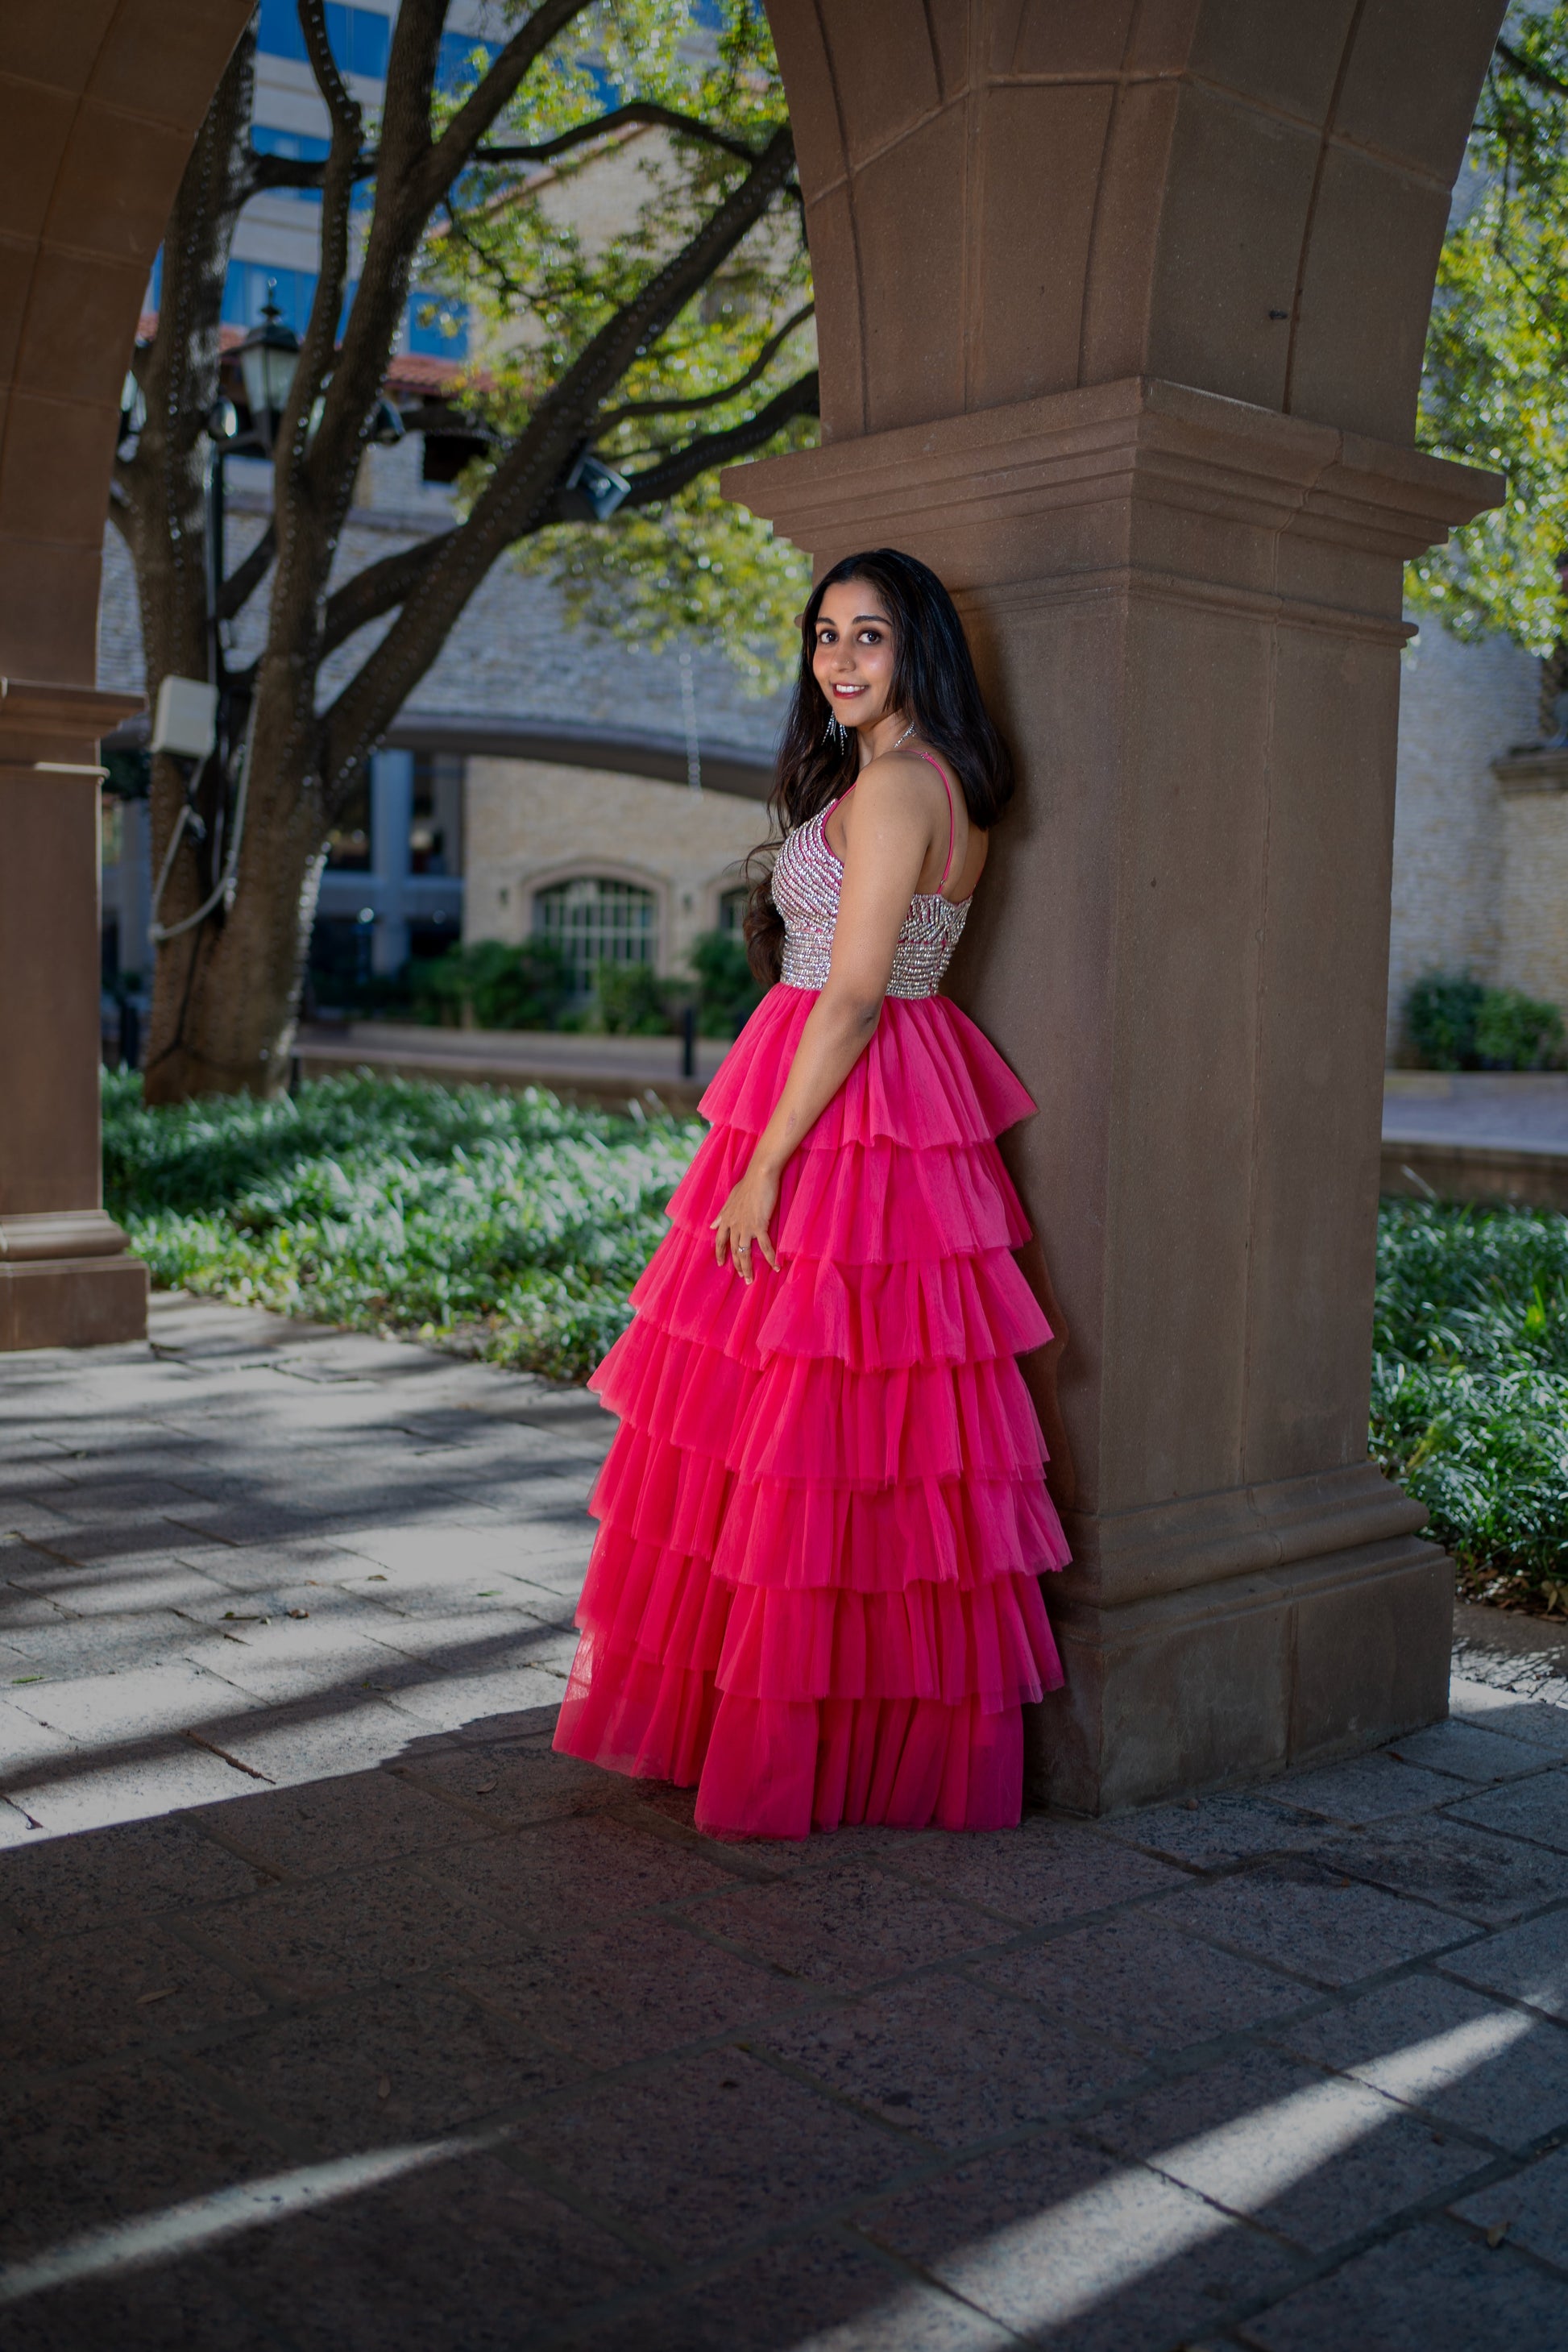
pixel 336 2010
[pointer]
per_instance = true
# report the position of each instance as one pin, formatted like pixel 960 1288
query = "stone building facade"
pixel 537 828
pixel 1480 844
pixel 571 754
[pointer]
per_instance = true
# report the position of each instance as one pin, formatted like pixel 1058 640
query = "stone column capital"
pixel 56 728
pixel 1138 479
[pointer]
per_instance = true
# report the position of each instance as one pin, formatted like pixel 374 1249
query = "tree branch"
pixel 379 588
pixel 615 416
pixel 1539 76
pixel 654 484
pixel 317 350
pixel 641 110
pixel 454 150
pixel 246 576
pixel 524 485
pixel 268 171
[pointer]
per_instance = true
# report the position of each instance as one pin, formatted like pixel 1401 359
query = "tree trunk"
pixel 229 988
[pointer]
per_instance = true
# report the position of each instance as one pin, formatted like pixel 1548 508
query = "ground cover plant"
pixel 509 1224
pixel 513 1226
pixel 1470 1391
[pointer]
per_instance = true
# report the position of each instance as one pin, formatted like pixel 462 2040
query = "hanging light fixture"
pixel 267 359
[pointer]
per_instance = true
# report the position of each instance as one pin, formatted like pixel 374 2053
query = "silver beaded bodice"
pixel 807 882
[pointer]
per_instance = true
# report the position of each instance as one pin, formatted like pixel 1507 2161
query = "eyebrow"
pixel 824 622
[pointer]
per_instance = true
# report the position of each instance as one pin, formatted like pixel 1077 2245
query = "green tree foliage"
pixel 1497 351
pixel 542 274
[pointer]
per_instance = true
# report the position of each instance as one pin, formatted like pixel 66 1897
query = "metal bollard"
pixel 688 1041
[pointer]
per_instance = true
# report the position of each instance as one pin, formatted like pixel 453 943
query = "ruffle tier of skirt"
pixel 815 1590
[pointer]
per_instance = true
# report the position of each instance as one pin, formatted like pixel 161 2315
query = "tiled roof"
pixel 409 371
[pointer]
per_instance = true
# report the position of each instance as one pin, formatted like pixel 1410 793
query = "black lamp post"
pixel 267 359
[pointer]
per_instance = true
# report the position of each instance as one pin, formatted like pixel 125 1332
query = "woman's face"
pixel 853 661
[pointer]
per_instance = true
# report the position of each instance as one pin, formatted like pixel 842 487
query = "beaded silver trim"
pixel 807 878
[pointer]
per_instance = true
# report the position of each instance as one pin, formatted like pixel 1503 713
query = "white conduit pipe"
pixel 158 933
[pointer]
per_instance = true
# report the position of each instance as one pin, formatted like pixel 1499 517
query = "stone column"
pixel 392 813
pixel 65 1277
pixel 1186 611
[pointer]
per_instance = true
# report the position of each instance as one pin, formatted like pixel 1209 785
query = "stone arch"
pixel 101 103
pixel 1121 310
pixel 1013 197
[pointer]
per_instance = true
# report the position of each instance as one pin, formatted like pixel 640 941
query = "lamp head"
pixel 267 359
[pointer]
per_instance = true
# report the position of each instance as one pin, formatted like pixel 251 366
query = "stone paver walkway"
pixel 337 2012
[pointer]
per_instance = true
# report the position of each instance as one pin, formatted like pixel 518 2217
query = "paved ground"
pixel 1521 1113
pixel 335 2012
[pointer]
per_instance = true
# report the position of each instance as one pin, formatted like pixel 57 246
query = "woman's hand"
pixel 741 1224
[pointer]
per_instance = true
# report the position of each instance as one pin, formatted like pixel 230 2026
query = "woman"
pixel 814 1590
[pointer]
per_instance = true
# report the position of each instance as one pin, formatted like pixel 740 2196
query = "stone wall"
pixel 530 823
pixel 1534 899
pixel 1460 707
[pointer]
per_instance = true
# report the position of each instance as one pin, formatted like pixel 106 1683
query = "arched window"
pixel 594 920
pixel 733 911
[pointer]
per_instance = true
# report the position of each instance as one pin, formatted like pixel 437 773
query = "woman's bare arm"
pixel 888 825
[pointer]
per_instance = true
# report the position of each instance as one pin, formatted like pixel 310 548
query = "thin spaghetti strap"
pixel 947 788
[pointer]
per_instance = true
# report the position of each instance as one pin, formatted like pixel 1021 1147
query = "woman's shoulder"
pixel 897 776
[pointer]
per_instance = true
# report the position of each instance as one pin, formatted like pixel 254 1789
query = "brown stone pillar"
pixel 1187 610
pixel 65 1277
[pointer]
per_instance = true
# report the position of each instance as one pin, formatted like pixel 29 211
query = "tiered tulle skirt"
pixel 815 1590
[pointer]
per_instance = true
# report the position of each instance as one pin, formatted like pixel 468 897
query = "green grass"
pixel 1470 1387
pixel 513 1226
pixel 507 1222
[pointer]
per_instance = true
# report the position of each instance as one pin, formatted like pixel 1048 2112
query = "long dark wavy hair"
pixel 934 684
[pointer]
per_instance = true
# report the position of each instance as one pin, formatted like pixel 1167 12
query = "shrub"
pixel 1441 1012
pixel 629 1000
pixel 1514 1031
pixel 1455 1023
pixel 1469 1396
pixel 727 993
pixel 504 987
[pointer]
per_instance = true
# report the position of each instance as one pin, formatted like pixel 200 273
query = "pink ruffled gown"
pixel 814 1589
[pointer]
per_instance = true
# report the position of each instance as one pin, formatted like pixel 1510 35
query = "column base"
pixel 1232 1680
pixel 68 1281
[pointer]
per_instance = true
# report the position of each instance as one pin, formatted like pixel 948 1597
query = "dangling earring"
pixel 836 732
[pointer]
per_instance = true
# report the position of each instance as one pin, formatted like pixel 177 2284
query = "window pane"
pixel 368 45
pixel 592 921
pixel 349 842
pixel 733 909
pixel 278 32
pixel 436 830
